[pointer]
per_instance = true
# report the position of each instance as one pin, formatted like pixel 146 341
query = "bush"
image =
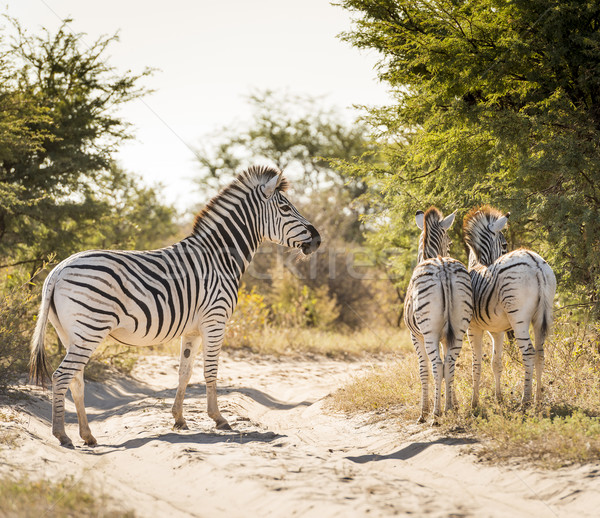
pixel 294 304
pixel 24 498
pixel 18 307
pixel 248 320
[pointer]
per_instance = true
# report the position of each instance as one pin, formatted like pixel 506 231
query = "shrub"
pixel 294 304
pixel 18 307
pixel 248 320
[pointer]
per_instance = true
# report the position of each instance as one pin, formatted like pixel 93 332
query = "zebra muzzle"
pixel 311 246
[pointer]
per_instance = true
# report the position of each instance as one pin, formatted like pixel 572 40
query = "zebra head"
pixel 434 239
pixel 483 234
pixel 283 224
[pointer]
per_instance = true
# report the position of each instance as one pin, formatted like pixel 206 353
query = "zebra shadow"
pixel 412 450
pixel 125 394
pixel 188 439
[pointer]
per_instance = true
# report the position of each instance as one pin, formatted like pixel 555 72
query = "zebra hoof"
pixel 223 426
pixel 180 425
pixel 421 419
pixel 65 442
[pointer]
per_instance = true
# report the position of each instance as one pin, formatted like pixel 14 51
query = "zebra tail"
pixel 544 310
pixel 447 289
pixel 38 363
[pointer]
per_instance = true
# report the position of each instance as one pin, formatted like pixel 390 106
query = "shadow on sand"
pixel 412 450
pixel 195 438
pixel 122 395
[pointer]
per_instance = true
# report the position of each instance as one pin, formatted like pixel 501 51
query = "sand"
pixel 288 455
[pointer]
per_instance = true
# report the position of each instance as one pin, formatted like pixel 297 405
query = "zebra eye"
pixel 285 207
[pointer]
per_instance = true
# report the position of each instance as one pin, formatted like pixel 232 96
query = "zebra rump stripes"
pixel 510 291
pixel 438 307
pixel 186 290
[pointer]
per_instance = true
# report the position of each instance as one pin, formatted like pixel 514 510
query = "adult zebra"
pixel 438 307
pixel 510 291
pixel 186 290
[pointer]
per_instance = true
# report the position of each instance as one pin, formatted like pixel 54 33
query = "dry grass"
pixel 332 344
pixel 565 429
pixel 8 435
pixel 271 341
pixel 25 498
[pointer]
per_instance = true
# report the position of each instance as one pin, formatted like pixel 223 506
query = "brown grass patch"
pixel 565 429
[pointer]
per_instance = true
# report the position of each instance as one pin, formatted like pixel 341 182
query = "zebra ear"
pixel 447 221
pixel 270 186
pixel 499 224
pixel 419 218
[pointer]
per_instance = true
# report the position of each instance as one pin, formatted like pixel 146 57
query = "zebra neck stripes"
pixel 434 240
pixel 482 232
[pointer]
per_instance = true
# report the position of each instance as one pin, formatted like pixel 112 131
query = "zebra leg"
pixel 476 340
pixel 449 366
pixel 424 375
pixel 539 363
pixel 212 341
pixel 524 342
pixel 189 348
pixel 498 339
pixel 72 364
pixel 77 388
pixel 432 346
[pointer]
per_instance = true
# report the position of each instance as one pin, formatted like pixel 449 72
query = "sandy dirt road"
pixel 287 455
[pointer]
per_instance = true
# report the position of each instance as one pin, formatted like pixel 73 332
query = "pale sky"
pixel 210 54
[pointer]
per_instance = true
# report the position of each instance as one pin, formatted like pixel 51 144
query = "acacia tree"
pixel 304 139
pixel 496 102
pixel 300 136
pixel 59 130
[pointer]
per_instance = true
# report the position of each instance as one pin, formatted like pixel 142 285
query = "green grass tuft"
pixel 25 498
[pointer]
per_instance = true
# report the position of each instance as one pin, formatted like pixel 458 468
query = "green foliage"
pixel 304 139
pixel 18 305
pixel 496 102
pixel 296 134
pixel 28 498
pixel 60 190
pixel 248 321
pixel 295 304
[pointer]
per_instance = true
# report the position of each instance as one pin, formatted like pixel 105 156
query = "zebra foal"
pixel 510 291
pixel 186 290
pixel 438 307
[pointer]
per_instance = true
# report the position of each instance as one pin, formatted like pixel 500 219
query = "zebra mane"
pixel 430 241
pixel 243 183
pixel 432 216
pixel 476 227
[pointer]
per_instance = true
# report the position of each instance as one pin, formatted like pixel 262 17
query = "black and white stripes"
pixel 437 307
pixel 186 290
pixel 510 291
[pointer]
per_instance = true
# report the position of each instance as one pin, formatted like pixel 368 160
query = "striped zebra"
pixel 511 291
pixel 186 290
pixel 438 307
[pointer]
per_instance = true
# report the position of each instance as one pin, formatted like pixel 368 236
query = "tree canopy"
pixel 495 102
pixel 60 189
pixel 301 137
